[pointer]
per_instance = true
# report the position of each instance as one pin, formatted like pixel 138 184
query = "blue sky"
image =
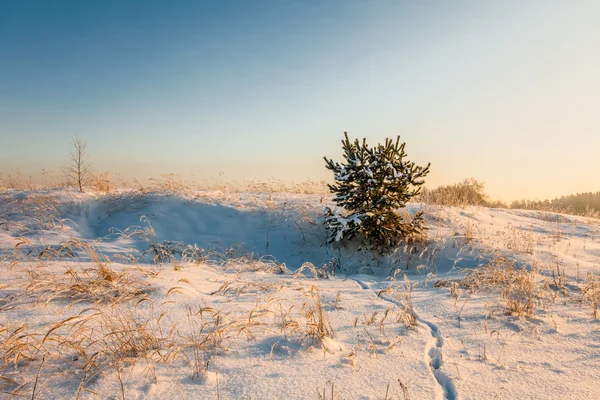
pixel 507 92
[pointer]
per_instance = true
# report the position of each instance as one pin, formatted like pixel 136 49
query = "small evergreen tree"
pixel 372 185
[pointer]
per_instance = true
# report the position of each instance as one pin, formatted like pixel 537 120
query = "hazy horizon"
pixel 504 92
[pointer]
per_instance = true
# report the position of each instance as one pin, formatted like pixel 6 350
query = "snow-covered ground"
pixel 236 295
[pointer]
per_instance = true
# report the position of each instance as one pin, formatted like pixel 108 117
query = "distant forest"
pixel 581 204
pixel 470 192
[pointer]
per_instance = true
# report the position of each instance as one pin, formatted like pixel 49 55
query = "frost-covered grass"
pixel 213 294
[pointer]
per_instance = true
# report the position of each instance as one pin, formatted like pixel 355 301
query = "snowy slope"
pixel 233 309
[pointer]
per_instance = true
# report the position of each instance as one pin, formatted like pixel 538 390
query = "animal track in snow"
pixel 432 352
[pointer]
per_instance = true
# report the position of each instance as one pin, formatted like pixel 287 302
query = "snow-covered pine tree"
pixel 372 185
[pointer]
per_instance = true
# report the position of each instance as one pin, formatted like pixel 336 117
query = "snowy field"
pixel 211 295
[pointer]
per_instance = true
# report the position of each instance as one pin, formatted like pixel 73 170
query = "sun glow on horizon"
pixel 503 92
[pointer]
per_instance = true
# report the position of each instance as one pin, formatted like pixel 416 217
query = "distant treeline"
pixel 470 192
pixel 587 204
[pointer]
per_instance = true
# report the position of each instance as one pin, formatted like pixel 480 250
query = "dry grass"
pixel 103 182
pixel 324 272
pixel 518 286
pixel 174 184
pixel 100 283
pixel 519 240
pixel 591 293
pixel 102 341
pixel 31 212
pixel 18 345
pixel 94 343
pixel 317 326
pixel 14 179
pixel 401 295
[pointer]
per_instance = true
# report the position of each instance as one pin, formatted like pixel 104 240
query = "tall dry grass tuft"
pixel 401 295
pixel 96 342
pixel 102 341
pixel 518 286
pixel 317 324
pixel 102 182
pixel 168 183
pixel 18 345
pixel 519 240
pixel 100 283
pixel 14 179
pixel 591 293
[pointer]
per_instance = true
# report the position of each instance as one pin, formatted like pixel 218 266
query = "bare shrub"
pixel 468 192
pixel 14 179
pixel 78 169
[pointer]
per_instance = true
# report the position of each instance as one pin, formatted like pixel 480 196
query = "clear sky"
pixel 504 91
